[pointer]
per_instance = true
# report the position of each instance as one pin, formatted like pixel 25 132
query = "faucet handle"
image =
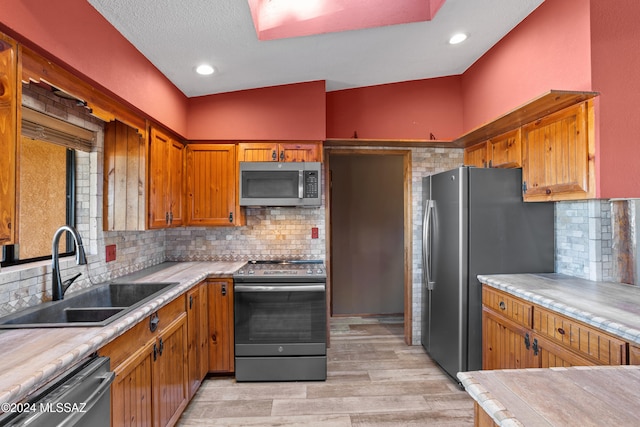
pixel 69 282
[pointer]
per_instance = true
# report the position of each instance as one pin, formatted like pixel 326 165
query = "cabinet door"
pixel 198 327
pixel 505 151
pixel 556 156
pixel 170 373
pixel 476 155
pixel 299 152
pixel 158 179
pixel 132 390
pixel 258 152
pixel 124 178
pixel 175 204
pixel 221 351
pixel 211 184
pixel 10 90
pixel 506 345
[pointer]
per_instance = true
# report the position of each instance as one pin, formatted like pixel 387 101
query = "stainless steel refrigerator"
pixel 475 222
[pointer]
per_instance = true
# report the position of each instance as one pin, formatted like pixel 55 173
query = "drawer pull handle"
pixel 502 305
pixel 527 342
pixel 561 331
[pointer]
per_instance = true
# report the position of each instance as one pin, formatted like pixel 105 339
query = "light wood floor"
pixel 373 379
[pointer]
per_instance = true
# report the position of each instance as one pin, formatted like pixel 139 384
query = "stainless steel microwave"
pixel 280 184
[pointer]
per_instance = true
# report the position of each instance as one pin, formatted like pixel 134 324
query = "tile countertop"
pixel 612 307
pixel 31 357
pixel 576 396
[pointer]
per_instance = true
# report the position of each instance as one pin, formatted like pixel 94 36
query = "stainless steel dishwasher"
pixel 79 397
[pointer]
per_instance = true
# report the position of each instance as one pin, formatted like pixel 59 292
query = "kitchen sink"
pixel 96 306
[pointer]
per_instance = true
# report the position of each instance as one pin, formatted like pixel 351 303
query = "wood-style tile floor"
pixel 373 379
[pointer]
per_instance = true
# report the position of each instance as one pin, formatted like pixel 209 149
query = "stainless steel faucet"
pixel 58 288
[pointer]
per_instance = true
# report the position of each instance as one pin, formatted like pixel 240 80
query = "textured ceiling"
pixel 176 36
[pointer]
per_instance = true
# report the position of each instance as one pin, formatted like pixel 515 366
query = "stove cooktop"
pixel 275 269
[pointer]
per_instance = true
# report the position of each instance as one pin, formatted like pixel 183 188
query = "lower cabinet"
pixel 221 343
pixel 517 334
pixel 150 363
pixel 198 331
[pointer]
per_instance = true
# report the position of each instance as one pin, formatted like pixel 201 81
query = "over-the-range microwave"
pixel 280 184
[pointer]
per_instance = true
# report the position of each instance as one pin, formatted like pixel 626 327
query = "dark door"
pixel 367 234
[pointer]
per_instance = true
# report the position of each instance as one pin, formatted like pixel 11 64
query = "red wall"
pixel 615 66
pixel 408 110
pixel 75 34
pixel 550 49
pixel 289 112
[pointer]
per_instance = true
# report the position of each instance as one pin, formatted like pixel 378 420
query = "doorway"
pixel 369 233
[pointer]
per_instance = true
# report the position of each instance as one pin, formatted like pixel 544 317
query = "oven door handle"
pixel 281 288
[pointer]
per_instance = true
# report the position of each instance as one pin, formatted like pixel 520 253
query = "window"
pixel 50 151
pixel 46 200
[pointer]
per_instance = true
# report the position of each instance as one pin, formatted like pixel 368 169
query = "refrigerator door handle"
pixel 426 245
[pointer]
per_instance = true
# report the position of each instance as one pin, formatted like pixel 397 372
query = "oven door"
pixel 280 319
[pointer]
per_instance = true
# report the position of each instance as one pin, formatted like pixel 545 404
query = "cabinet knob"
pixel 153 322
pixel 230 216
pixel 224 290
pixel 548 191
pixel 502 305
pixel 561 331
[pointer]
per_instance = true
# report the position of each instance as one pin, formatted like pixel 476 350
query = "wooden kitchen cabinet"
pixel 634 355
pixel 212 197
pixel 584 340
pixel 280 152
pixel 166 164
pixel 518 334
pixel 124 194
pixel 505 151
pixel 476 155
pixel 558 155
pixel 198 336
pixel 151 383
pixel 502 151
pixel 507 344
pixel 10 98
pixel 221 343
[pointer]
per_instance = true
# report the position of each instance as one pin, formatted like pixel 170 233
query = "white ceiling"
pixel 178 35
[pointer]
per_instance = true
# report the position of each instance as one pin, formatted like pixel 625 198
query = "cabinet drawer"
pixel 508 306
pixel 128 343
pixel 634 355
pixel 583 339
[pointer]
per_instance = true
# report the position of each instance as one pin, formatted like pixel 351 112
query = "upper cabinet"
pixel 9 119
pixel 558 158
pixel 166 158
pixel 502 151
pixel 124 192
pixel 505 151
pixel 211 185
pixel 552 138
pixel 476 155
pixel 280 152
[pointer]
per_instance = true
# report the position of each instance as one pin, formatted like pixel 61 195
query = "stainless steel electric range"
pixel 280 321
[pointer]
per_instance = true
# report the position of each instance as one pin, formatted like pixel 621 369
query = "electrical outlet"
pixel 110 252
pixel 314 232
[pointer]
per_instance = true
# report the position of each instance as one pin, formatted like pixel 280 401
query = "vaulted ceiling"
pixel 347 43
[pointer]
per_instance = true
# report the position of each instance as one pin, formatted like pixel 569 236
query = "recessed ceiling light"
pixel 457 38
pixel 204 69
